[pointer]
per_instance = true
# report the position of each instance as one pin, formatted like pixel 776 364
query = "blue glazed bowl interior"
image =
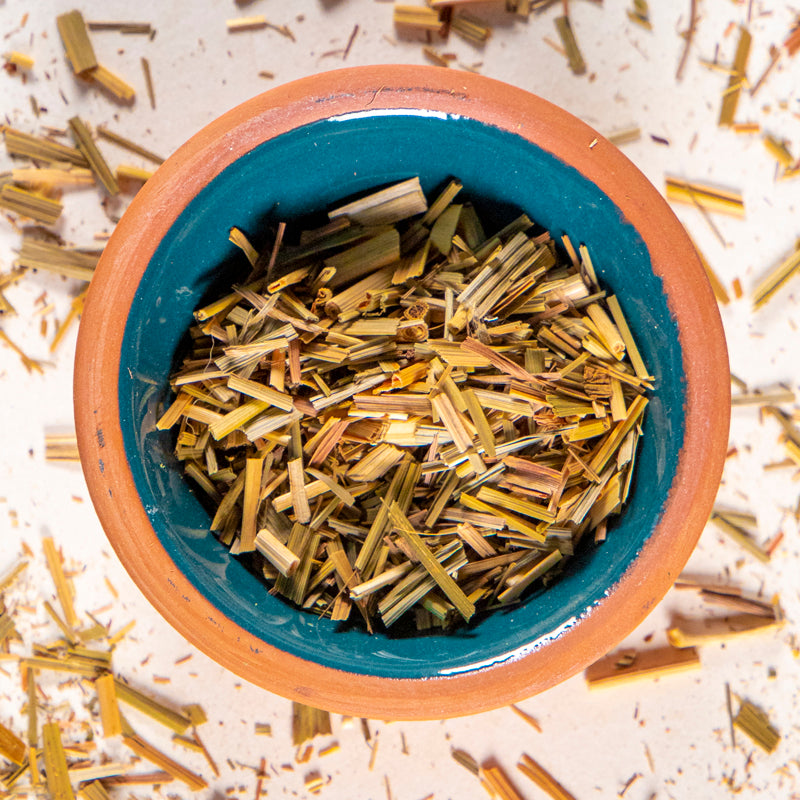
pixel 305 171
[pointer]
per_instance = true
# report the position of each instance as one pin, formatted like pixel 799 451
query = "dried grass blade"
pixel 63 589
pixel 113 83
pixel 76 41
pixel 30 204
pixel 11 746
pixel 739 535
pixel 514 522
pixel 58 783
pixel 708 198
pixel 146 750
pixel 252 495
pixel 148 81
pixel 417 17
pixel 364 258
pixel 376 463
pixel 542 778
pixel 98 165
pixel 755 724
pixel 387 206
pixel 225 425
pixel 526 579
pixel 26 145
pixel 776 279
pixel 308 722
pixel 497 783
pixel 297 484
pixel 564 28
pixel 451 589
pixel 730 100
pixel 173 719
pixel 36 254
pixel 109 708
pixel 692 633
pixel 104 133
pixel 618 668
pixel 277 553
pixel 496 359
pixel 480 422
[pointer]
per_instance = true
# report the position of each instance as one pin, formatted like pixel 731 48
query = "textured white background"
pixel 593 742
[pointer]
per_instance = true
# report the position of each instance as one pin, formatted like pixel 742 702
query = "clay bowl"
pixel 298 148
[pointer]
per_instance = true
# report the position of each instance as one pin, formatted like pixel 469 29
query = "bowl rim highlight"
pixel 392 87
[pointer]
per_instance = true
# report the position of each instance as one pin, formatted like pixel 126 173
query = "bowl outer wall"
pixel 673 258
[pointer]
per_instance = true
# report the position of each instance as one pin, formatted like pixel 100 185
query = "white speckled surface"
pixel 594 743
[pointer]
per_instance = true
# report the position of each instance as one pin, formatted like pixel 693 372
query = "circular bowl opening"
pixel 295 151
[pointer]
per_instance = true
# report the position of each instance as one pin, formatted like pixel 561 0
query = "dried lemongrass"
pixel 148 82
pixel 63 588
pixel 570 43
pixel 417 17
pixel 30 364
pixel 709 198
pixel 122 27
pixel 617 668
pixel 755 723
pixel 11 576
pixel 542 778
pixel 176 721
pixel 764 397
pixel 624 135
pixel 132 174
pixel 150 753
pixel 740 531
pixel 732 598
pixel 75 37
pixel 276 552
pixel 435 57
pixel 640 14
pixel 779 151
pixel 88 778
pixel 730 99
pixel 776 279
pixel 524 715
pixel 471 28
pixel 463 758
pixel 308 722
pixel 109 80
pixel 692 633
pixel 497 783
pixel 11 746
pixel 37 148
pixel 402 414
pixel 385 207
pixel 30 204
pixel 127 144
pixel 98 165
pixel 58 782
pixel 50 178
pixel 45 757
pixel 446 583
pixel 109 708
pixel 246 23
pixel 19 60
pixel 38 254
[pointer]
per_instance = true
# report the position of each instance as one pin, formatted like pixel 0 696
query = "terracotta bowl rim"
pixel 554 130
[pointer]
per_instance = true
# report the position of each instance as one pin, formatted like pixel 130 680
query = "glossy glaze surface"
pixel 503 173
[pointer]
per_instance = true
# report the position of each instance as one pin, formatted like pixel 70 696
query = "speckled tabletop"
pixel 663 738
